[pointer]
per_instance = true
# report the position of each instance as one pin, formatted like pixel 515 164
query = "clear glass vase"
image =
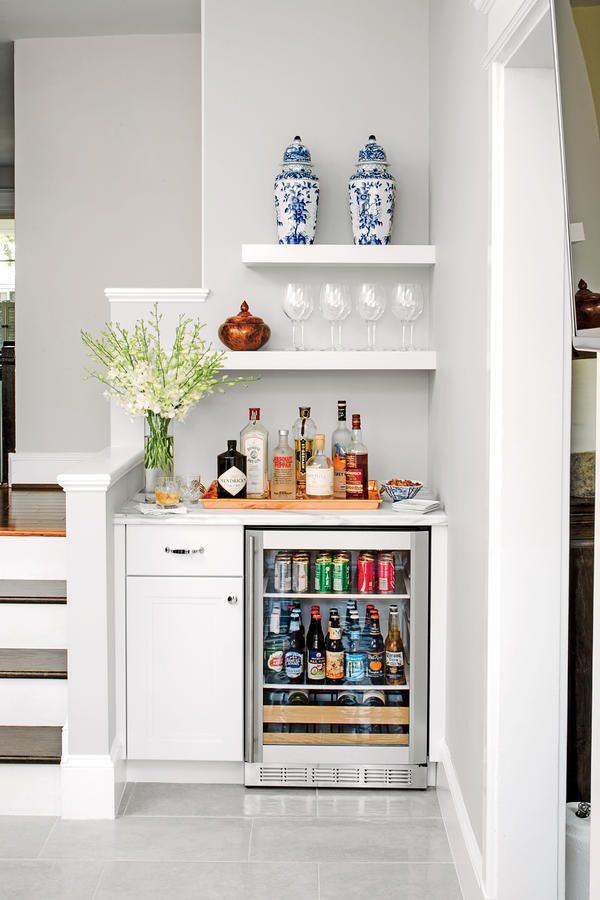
pixel 159 451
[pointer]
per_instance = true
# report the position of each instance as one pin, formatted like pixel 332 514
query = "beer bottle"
pixel 367 626
pixel 334 651
pixel 294 653
pixel 394 650
pixel 274 648
pixel 315 651
pixel 354 662
pixel 375 651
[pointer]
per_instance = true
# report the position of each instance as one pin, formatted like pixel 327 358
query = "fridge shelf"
pixel 337 715
pixel 334 596
pixel 370 740
pixel 333 689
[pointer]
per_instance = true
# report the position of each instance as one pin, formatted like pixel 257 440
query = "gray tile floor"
pixel 220 842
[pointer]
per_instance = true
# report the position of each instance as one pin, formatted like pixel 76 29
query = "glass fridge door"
pixel 340 644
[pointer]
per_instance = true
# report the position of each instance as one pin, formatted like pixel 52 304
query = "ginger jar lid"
pixel 372 152
pixel 297 153
pixel 245 317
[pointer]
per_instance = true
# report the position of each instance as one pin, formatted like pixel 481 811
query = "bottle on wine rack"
pixel 394 650
pixel 254 443
pixel 334 651
pixel 376 651
pixel 273 646
pixel 304 432
pixel 231 473
pixel 340 441
pixel 283 482
pixel 294 653
pixel 315 651
pixel 357 465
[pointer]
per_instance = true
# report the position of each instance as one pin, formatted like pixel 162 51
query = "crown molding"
pixel 156 295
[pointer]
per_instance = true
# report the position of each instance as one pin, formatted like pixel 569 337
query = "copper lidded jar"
pixel 244 331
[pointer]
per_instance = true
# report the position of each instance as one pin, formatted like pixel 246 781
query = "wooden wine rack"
pixel 372 740
pixel 337 715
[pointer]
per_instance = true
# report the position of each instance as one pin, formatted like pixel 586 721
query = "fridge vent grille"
pixel 332 776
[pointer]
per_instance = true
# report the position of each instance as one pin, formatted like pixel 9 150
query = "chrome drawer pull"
pixel 232 600
pixel 182 552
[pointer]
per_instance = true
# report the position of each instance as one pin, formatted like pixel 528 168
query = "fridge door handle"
pixel 249 668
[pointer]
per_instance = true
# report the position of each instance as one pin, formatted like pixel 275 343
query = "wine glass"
pixel 335 304
pixel 298 304
pixel 371 306
pixel 407 305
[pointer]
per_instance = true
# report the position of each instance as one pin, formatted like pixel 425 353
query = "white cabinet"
pixel 185 673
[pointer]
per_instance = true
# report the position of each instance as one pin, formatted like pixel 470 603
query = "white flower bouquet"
pixel 148 380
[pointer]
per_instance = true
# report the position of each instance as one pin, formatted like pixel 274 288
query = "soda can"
pixel 366 573
pixel 385 573
pixel 323 573
pixel 341 574
pixel 300 573
pixel 283 573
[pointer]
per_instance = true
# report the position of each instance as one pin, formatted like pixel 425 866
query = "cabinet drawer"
pixel 215 551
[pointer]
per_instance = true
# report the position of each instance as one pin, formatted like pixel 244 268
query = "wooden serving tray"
pixel 215 503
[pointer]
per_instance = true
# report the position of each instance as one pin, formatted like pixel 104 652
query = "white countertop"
pixel 384 516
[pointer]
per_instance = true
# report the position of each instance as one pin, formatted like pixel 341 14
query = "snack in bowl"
pixel 401 489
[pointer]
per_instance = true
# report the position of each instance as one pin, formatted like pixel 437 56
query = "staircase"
pixel 33 655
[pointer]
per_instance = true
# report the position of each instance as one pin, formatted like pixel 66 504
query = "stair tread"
pixel 30 744
pixel 24 591
pixel 32 513
pixel 19 663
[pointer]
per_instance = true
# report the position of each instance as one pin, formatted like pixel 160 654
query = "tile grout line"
pixel 250 840
pixel 102 868
pixel 318 881
pixel 45 841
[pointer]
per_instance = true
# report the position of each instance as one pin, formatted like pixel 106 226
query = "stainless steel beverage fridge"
pixel 337 624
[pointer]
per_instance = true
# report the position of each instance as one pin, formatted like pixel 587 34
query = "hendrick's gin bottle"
pixel 231 473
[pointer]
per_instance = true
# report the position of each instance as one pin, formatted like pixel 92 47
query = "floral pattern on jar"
pixel 296 196
pixel 372 195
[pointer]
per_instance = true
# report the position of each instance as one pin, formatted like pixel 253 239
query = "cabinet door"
pixel 185 676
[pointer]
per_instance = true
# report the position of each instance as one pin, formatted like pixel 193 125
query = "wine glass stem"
pixel 403 335
pixel 294 335
pixel 339 336
pixel 411 345
pixel 332 335
pixel 301 347
pixel 371 335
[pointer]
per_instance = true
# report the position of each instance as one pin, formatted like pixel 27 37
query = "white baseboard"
pixel 185 772
pixel 463 843
pixel 42 468
pixel 29 790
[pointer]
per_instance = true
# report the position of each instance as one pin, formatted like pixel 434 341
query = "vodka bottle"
pixel 254 443
pixel 283 482
pixel 319 472
pixel 340 440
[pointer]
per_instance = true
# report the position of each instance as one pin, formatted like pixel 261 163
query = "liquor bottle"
pixel 315 651
pixel 355 660
pixel 231 473
pixel 274 648
pixel 334 651
pixel 376 651
pixel 294 652
pixel 340 441
pixel 304 432
pixel 283 482
pixel 319 472
pixel 394 650
pixel 254 443
pixel 357 465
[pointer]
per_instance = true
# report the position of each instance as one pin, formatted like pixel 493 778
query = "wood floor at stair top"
pixel 32 513
pixel 33 663
pixel 30 744
pixel 33 591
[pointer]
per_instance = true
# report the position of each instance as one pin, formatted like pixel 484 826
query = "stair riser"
pixel 33 701
pixel 29 790
pixel 33 625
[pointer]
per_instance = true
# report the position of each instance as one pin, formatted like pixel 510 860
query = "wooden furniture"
pixel 587 307
pixel 581 587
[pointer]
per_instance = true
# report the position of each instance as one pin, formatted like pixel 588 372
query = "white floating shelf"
pixel 330 360
pixel 417 255
pixel 156 295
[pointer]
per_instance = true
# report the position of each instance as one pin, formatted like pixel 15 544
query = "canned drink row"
pixel 375 572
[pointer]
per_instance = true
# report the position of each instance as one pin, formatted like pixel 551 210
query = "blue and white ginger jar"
pixel 296 196
pixel 372 193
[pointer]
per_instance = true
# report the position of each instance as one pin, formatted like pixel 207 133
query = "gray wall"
pixel 459 408
pixel 332 78
pixel 108 147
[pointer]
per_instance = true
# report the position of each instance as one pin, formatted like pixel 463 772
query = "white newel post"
pixel 92 766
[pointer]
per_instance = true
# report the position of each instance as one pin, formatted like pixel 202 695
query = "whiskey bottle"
pixel 357 465
pixel 304 432
pixel 340 441
pixel 319 472
pixel 231 473
pixel 254 444
pixel 283 482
